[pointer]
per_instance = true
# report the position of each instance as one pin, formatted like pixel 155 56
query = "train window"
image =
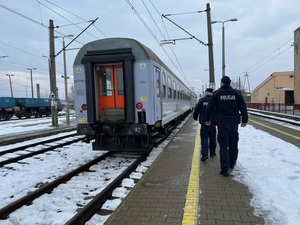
pixel 120 81
pixel 178 91
pixel 105 81
pixel 174 89
pixel 169 93
pixel 157 75
pixel 164 85
pixel 169 88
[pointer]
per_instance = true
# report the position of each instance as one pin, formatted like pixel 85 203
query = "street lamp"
pixel 31 80
pixel 66 78
pixel 223 41
pixel 11 90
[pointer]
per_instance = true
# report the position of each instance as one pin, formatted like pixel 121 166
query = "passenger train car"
pixel 125 96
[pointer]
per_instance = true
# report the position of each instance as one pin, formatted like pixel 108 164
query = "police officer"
pixel 207 133
pixel 227 104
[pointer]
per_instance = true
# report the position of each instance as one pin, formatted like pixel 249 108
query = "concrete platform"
pixel 178 189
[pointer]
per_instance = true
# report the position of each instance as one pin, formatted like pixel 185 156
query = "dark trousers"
pixel 208 139
pixel 228 138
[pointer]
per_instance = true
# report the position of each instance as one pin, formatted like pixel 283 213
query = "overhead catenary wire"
pixel 4 51
pixel 18 65
pixel 270 59
pixel 180 70
pixel 267 58
pixel 193 36
pixel 73 14
pixel 31 20
pixel 142 20
pixel 63 18
pixel 15 64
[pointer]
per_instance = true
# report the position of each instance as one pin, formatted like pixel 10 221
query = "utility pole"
pixel 247 78
pixel 223 41
pixel 66 85
pixel 11 90
pixel 38 92
pixel 212 83
pixel 53 88
pixel 66 77
pixel 31 80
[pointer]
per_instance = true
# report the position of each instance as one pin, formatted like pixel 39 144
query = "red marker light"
pixel 139 105
pixel 84 107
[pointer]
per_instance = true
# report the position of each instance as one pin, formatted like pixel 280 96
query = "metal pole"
pixel 66 84
pixel 223 50
pixel 38 93
pixel 210 49
pixel 31 80
pixel 31 83
pixel 223 42
pixel 53 75
pixel 11 90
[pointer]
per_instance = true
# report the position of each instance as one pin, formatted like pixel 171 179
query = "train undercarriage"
pixel 128 137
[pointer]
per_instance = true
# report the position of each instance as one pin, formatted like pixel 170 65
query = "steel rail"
pixel 34 144
pixel 27 200
pixel 94 205
pixel 18 158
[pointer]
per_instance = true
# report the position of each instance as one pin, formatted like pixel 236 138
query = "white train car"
pixel 125 96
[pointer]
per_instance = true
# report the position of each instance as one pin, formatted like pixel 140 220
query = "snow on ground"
pixel 269 166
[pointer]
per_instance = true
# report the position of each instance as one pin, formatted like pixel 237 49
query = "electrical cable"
pixel 73 14
pixel 262 63
pixel 180 69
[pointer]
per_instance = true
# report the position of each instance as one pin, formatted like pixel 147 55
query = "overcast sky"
pixel 259 43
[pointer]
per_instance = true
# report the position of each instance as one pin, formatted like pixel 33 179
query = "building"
pixel 282 87
pixel 278 88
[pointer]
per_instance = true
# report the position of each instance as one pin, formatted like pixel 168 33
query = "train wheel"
pixel 146 140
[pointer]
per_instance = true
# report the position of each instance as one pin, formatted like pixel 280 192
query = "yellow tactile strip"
pixel 191 204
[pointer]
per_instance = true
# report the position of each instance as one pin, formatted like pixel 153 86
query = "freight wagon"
pixel 7 105
pixel 28 107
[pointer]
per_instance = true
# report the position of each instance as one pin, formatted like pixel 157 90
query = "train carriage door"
pixel 110 92
pixel 157 94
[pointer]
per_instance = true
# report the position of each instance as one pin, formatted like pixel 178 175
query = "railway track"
pixel 289 119
pixel 91 183
pixel 27 151
pixel 279 125
pixel 95 204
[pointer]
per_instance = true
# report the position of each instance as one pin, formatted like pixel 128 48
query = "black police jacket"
pixel 227 104
pixel 200 109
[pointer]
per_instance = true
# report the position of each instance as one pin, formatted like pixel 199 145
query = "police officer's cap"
pixel 226 80
pixel 209 90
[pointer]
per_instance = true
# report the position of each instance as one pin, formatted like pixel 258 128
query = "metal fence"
pixel 276 107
